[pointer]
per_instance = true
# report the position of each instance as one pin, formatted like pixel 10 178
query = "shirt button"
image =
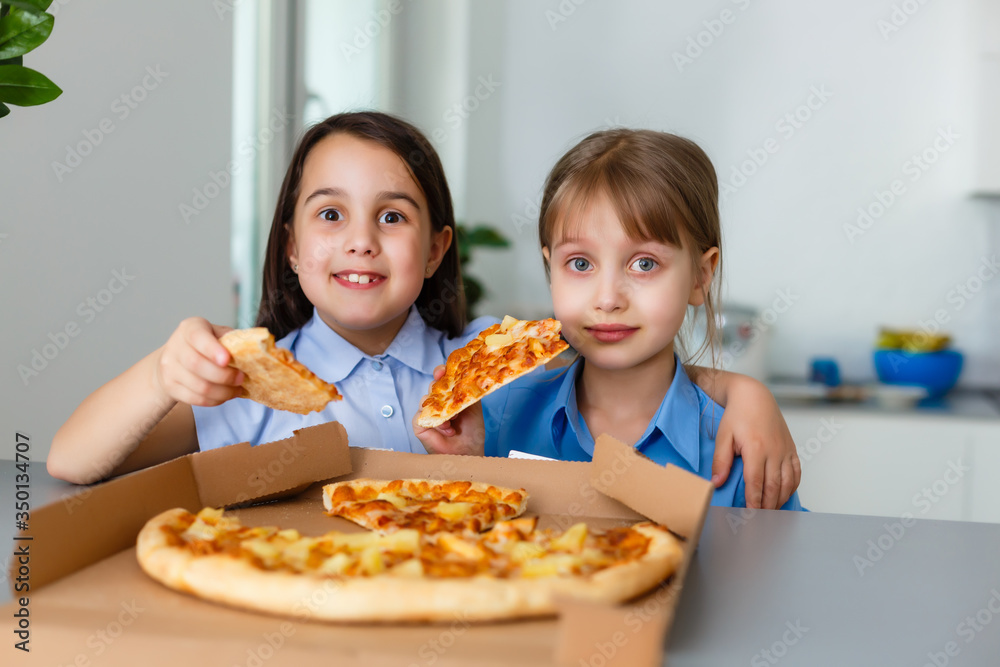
pixel 386 411
pixel 377 365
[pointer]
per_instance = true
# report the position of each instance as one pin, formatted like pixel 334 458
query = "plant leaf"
pixel 4 109
pixel 21 31
pixel 12 61
pixel 487 236
pixel 31 6
pixel 25 87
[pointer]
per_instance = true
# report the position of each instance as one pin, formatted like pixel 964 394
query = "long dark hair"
pixel 284 306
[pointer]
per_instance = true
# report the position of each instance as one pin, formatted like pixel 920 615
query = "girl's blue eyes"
pixel 644 264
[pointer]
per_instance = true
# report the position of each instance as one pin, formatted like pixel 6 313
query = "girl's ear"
pixel 440 242
pixel 704 272
pixel 548 260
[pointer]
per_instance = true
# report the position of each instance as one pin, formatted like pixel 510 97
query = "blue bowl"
pixel 937 372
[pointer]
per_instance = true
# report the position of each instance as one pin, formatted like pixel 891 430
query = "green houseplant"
pixel 24 25
pixel 468 238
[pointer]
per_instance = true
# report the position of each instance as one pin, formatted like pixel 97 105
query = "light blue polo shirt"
pixel 538 414
pixel 381 393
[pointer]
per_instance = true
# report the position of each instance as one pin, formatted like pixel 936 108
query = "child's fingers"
pixel 796 470
pixel 788 482
pixel 195 390
pixel 722 461
pixel 753 476
pixel 438 372
pixel 202 367
pixel 446 429
pixel 772 485
pixel 202 338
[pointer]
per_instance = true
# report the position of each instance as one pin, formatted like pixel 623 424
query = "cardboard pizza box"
pixel 91 604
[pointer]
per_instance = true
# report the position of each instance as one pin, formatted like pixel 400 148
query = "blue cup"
pixel 825 371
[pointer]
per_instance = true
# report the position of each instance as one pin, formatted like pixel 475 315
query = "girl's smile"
pixel 360 279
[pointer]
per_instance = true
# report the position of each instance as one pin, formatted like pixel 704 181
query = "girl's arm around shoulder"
pixel 752 427
pixel 107 433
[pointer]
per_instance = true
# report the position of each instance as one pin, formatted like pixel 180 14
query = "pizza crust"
pixel 273 377
pixel 234 582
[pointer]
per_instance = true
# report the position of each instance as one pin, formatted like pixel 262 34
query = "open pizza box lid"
pixel 91 604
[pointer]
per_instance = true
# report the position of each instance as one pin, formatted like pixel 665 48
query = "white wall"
pixel 118 210
pixel 612 63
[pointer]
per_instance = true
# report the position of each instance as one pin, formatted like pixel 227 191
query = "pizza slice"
pixel 425 504
pixel 273 377
pixel 497 356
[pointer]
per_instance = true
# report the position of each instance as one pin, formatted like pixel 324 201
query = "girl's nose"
pixel 611 293
pixel 362 240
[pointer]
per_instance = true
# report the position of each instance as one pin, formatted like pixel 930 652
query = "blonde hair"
pixel 662 187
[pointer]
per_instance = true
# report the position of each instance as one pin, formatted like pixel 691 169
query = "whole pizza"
pixel 412 571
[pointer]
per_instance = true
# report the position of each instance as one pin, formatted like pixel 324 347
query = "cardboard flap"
pixel 626 475
pixel 238 473
pixel 101 520
pixel 630 635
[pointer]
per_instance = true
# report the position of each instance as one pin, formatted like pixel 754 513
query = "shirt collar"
pixel 678 418
pixel 334 358
pixel 567 411
pixel 417 345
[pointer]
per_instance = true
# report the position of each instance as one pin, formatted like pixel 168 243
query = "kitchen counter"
pixel 966 404
pixel 799 588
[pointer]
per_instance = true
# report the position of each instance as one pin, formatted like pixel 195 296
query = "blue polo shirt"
pixel 538 414
pixel 381 393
